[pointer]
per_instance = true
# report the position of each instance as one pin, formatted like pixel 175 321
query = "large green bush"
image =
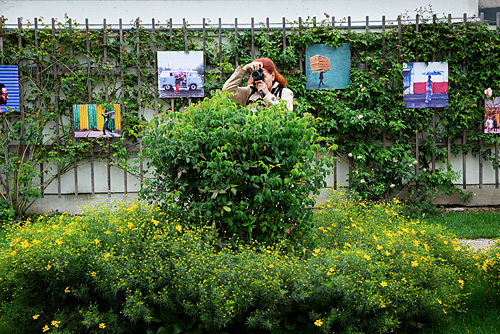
pixel 250 172
pixel 128 268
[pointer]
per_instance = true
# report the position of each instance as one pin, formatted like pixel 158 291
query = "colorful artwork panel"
pixel 91 120
pixel 181 74
pixel 9 89
pixel 492 115
pixel 328 67
pixel 425 85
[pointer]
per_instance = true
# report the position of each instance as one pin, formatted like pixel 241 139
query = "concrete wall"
pixel 195 10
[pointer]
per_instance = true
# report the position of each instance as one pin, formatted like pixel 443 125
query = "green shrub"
pixel 133 269
pixel 250 172
pixel 7 213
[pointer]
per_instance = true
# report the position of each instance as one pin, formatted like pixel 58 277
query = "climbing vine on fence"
pixel 67 63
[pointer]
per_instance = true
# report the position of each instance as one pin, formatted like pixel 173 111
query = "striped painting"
pixel 9 89
pixel 96 120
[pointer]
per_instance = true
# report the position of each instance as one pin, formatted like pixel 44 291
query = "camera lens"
pixel 258 75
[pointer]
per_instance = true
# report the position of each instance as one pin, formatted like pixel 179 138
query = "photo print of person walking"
pixel 425 85
pixel 328 67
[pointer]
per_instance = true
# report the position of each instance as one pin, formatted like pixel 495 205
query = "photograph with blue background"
pixel 9 89
pixel 328 67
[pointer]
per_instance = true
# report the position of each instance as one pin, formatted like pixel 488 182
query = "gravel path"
pixel 477 244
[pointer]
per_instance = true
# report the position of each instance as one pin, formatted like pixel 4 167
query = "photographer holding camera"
pixel 264 84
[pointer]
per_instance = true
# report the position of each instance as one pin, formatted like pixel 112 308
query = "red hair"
pixel 271 68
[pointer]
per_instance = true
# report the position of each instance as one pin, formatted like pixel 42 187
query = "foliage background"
pixel 66 63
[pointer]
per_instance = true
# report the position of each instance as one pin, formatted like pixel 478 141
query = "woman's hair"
pixel 271 68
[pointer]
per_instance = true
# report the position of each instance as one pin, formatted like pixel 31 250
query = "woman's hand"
pixel 261 87
pixel 253 66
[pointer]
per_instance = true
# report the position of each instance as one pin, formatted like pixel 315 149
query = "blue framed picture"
pixel 9 89
pixel 328 67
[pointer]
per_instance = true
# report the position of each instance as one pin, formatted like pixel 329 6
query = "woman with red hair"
pixel 265 84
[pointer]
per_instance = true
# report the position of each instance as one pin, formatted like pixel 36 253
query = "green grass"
pixel 470 225
pixel 482 315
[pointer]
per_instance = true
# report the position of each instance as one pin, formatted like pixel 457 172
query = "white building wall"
pixel 195 10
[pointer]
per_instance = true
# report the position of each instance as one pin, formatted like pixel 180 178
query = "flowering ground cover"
pixel 130 268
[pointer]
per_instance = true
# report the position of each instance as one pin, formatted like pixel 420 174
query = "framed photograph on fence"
pixel 425 85
pixel 9 89
pixel 96 120
pixel 492 115
pixel 181 74
pixel 328 67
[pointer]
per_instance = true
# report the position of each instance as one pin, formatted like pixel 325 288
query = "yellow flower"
pixel 67 290
pixel 102 325
pixel 178 228
pixel 155 222
pixel 318 322
pixel 384 284
pixel 45 328
pixel 439 301
pixel 414 263
pixel 24 244
pixel 367 257
pixel 379 247
pixel 55 323
pixel 36 316
pixel 48 267
pixel 93 274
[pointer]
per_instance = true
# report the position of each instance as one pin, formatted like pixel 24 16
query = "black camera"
pixel 258 75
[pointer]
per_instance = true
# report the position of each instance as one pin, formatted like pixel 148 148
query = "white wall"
pixel 195 10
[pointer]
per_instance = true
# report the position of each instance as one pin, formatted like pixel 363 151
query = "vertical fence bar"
pixel 497 17
pixel 184 31
pixel 448 139
pixel 464 136
pixel 220 47
pixel 253 37
pixel 348 24
pixel 236 38
pixel 434 113
pixel 171 33
pixel 122 79
pixel 139 96
pixel 186 45
pixel 284 34
pixel 89 92
pixel 171 30
pixel 301 55
pixel 464 164
pixel 204 35
pixel 496 166
pixel 21 88
pixel 367 24
pixel 4 121
pixel 155 63
pixel 56 107
pixel 384 132
pixel 71 55
pixel 106 98
pixel 38 102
